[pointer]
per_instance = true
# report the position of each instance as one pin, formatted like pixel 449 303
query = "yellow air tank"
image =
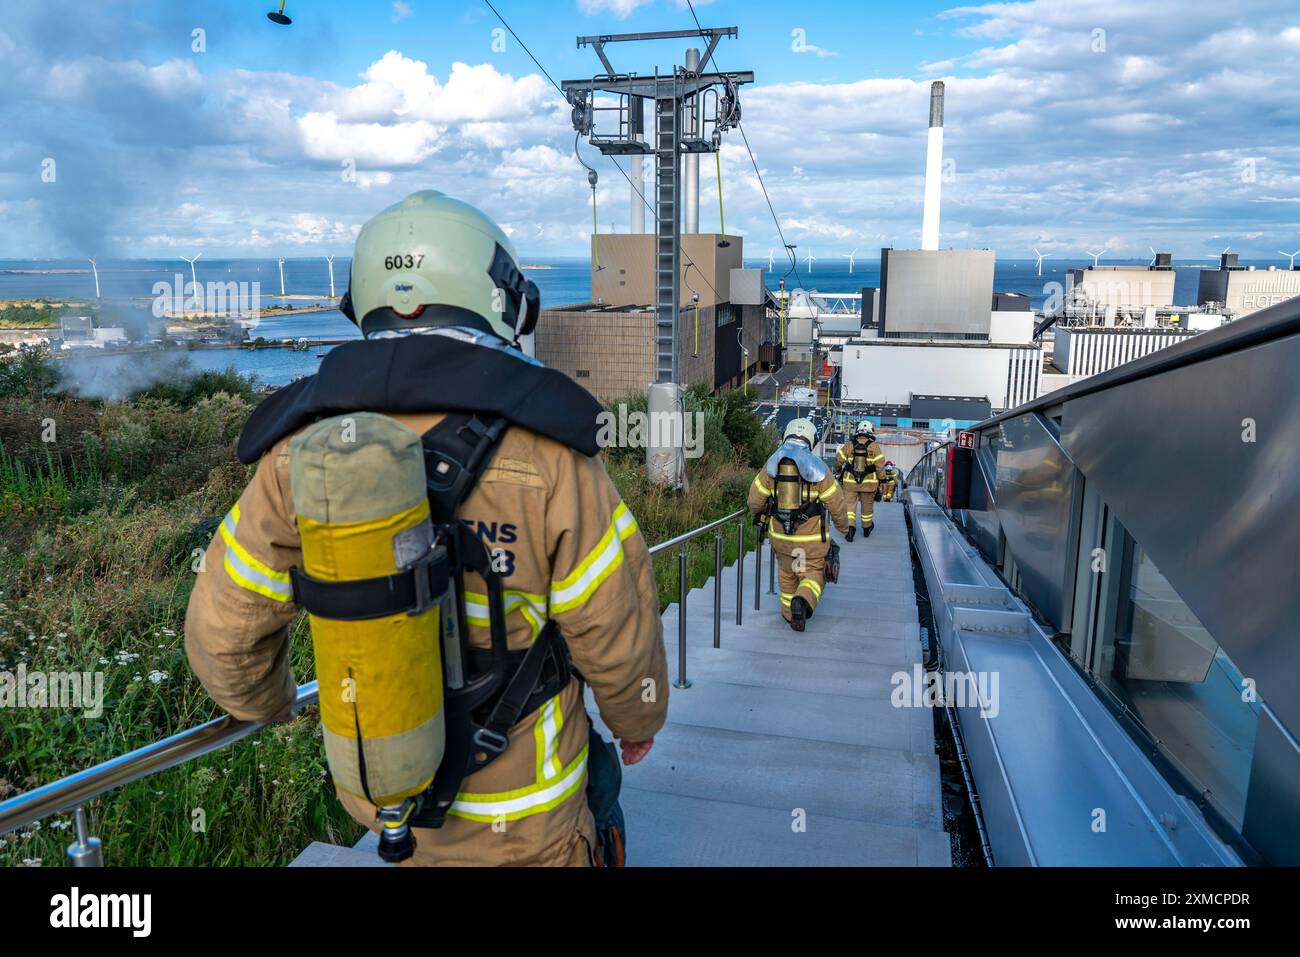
pixel 788 486
pixel 359 491
pixel 860 458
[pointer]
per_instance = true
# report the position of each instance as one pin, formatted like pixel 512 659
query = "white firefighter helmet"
pixel 431 260
pixel 864 427
pixel 802 429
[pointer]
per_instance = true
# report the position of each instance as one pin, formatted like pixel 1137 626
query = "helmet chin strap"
pixel 522 322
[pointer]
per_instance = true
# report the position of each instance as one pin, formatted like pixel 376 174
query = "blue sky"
pixel 1071 124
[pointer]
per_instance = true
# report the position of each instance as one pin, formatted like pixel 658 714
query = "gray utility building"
pixel 1241 291
pixel 1124 289
pixel 935 293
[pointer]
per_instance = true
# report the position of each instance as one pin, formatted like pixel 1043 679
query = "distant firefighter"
pixel 792 498
pixel 858 461
pixel 889 484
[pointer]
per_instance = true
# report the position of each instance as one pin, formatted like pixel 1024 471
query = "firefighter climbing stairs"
pixel 785 749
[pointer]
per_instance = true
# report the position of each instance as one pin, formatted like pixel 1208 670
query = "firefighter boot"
pixel 798 613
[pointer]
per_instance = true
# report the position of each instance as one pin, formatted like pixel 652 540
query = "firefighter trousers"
pixel 801 572
pixel 864 494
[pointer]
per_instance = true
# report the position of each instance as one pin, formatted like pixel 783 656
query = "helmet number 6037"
pixel 403 261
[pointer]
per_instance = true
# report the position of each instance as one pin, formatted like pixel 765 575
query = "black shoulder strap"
pixel 456 452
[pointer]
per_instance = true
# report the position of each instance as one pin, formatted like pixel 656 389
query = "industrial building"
pixel 1110 292
pixel 608 345
pixel 1240 291
pixel 936 294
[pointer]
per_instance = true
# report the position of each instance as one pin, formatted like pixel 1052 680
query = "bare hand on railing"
pixel 634 751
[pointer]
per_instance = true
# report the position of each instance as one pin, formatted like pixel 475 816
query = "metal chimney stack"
pixel 691 162
pixel 933 169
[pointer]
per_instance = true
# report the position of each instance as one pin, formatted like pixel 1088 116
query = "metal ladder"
pixel 668 227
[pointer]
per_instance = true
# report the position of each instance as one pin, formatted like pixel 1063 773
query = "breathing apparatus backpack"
pixel 408 708
pixel 793 500
pixel 858 464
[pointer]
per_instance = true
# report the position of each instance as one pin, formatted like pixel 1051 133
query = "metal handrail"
pixel 72 792
pixel 682 539
pixel 683 587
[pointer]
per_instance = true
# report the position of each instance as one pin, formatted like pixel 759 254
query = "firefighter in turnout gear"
pixel 858 462
pixel 795 498
pixel 889 484
pixel 434 499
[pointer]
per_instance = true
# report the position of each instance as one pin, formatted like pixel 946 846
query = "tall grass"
pixel 98 535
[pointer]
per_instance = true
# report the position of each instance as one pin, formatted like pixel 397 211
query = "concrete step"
pixel 884 786
pixel 833 605
pixel 776 638
pixel 666 830
pixel 818 716
pixel 334 855
pixel 865 680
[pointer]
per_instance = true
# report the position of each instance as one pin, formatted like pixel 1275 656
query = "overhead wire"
pixel 794 262
pixel 560 90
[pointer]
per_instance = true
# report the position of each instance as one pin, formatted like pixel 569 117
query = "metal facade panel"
pixel 1036 489
pixel 747 287
pixel 1271 824
pixel 1216 514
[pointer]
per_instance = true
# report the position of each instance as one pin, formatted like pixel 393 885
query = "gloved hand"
pixel 634 751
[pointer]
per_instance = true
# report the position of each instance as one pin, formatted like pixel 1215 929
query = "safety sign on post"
pixel 965 440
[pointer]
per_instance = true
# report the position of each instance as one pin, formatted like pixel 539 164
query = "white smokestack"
pixel 933 169
pixel 691 163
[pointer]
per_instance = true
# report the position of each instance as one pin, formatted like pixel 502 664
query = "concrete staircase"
pixel 785 750
pixel 780 729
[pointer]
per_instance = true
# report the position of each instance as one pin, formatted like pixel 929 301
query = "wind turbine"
pixel 851 255
pixel 330 260
pixel 281 275
pixel 810 259
pixel 1041 257
pixel 771 260
pixel 194 276
pixel 95 270
pixel 1290 256
pixel 1096 256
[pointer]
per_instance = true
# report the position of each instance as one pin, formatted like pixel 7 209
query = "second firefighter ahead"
pixel 795 494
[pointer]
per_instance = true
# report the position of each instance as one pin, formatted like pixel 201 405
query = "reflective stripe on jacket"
pixel 569 549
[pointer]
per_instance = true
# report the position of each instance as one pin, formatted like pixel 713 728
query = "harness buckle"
pixel 494 742
pixel 422 578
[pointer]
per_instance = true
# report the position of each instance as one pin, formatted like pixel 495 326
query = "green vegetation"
pixel 39 313
pixel 103 508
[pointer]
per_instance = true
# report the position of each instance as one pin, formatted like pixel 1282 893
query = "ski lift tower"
pixel 692 109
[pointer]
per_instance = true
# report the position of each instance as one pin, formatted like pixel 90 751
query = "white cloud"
pixel 619 8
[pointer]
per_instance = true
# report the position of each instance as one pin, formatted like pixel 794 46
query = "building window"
pixel 1159 661
pixel 723 314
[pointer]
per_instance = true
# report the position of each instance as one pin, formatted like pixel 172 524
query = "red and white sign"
pixel 965 440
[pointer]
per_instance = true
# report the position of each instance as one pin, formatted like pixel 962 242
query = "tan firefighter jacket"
pixel 569 549
pixel 808 534
pixel 844 462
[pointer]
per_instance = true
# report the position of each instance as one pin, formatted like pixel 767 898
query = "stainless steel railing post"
pixel 85 851
pixel 682 681
pixel 758 569
pixel 717 589
pixel 740 570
